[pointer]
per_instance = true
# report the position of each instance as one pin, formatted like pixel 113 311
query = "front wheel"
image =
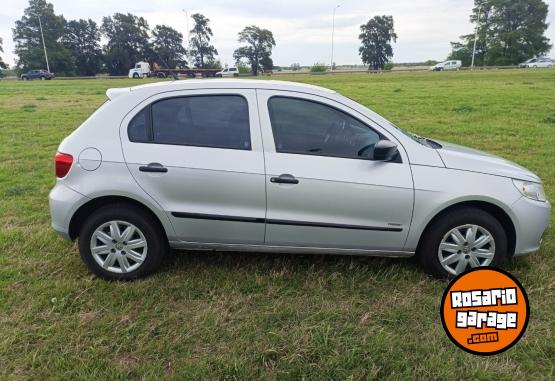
pixel 461 239
pixel 120 242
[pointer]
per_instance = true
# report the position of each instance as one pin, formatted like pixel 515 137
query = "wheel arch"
pixel 86 209
pixel 491 208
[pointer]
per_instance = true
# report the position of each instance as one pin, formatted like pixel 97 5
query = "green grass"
pixel 254 316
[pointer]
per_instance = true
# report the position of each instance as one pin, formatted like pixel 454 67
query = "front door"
pixel 199 155
pixel 323 188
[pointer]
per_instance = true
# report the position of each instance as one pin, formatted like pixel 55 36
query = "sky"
pixel 302 28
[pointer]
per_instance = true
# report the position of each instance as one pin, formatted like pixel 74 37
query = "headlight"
pixel 533 191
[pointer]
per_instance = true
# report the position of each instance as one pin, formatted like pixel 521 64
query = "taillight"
pixel 63 164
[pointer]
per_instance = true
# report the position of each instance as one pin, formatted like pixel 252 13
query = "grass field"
pixel 249 316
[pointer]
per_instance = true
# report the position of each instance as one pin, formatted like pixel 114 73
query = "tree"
pixel 213 64
pixel 127 44
pixel 258 49
pixel 376 38
pixel 267 63
pixel 28 41
pixel 82 39
pixel 2 63
pixel 167 47
pixel 199 46
pixel 509 31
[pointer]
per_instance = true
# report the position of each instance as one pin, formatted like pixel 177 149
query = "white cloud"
pixel 302 29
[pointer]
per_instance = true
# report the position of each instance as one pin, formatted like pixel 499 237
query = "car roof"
pixel 194 84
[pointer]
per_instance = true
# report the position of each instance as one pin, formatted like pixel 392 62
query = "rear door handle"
pixel 153 167
pixel 284 179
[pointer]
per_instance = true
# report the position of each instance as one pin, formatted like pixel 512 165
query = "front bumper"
pixel 64 202
pixel 533 220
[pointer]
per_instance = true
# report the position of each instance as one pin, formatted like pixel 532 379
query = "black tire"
pixel 427 251
pixel 135 75
pixel 155 238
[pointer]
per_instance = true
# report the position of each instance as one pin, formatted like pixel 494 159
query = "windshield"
pixel 419 139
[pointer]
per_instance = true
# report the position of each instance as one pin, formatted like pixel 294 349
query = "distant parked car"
pixel 447 65
pixel 537 62
pixel 228 72
pixel 37 74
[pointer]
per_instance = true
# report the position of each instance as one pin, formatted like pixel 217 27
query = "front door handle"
pixel 284 179
pixel 153 167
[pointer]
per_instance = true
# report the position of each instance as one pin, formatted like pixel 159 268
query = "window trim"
pixel 150 127
pixel 398 159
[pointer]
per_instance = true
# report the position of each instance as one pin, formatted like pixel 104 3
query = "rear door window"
pixel 220 121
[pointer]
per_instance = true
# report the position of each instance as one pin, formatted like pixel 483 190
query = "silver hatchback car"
pixel 284 167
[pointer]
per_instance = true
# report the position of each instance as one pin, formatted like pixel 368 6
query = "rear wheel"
pixel 462 239
pixel 120 242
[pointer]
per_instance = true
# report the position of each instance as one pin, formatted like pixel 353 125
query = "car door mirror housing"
pixel 385 150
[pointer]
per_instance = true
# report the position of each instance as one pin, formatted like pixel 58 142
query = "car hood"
pixel 468 159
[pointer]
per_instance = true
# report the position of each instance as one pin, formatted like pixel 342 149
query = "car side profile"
pixel 540 62
pixel 270 166
pixel 37 74
pixel 447 65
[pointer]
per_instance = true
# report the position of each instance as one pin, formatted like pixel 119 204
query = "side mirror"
pixel 384 150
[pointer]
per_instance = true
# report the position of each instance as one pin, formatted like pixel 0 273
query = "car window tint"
pixel 311 128
pixel 212 121
pixel 138 127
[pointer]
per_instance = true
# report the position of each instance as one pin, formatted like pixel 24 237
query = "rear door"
pixel 323 189
pixel 199 155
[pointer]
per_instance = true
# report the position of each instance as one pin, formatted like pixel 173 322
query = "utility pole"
pixel 188 33
pixel 187 21
pixel 43 44
pixel 476 36
pixel 332 34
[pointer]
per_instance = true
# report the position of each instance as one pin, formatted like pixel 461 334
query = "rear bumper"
pixel 533 220
pixel 64 202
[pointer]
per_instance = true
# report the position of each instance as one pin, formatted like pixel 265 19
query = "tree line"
pixel 508 32
pixel 74 46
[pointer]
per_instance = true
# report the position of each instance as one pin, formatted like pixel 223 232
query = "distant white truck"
pixel 228 72
pixel 447 65
pixel 143 70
